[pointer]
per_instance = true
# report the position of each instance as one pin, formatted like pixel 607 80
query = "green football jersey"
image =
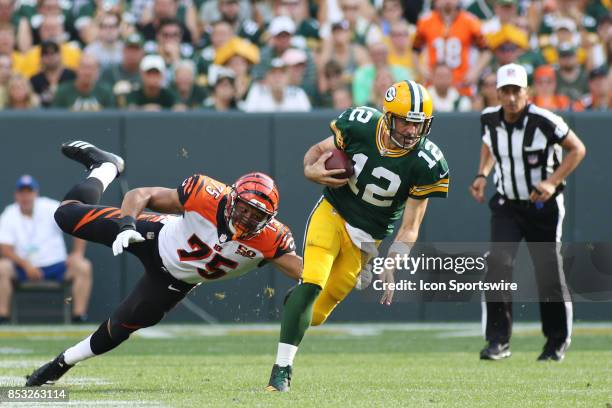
pixel 384 179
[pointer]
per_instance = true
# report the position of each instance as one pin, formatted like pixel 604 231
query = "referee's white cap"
pixel 511 74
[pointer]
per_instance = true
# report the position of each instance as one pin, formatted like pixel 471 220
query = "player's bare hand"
pixel 542 192
pixel 386 278
pixel 477 189
pixel 317 172
pixel 124 239
pixel 33 273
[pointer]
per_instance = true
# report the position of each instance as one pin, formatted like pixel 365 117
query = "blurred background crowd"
pixel 298 55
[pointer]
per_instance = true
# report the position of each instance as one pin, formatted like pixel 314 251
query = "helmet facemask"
pixel 246 218
pixel 405 140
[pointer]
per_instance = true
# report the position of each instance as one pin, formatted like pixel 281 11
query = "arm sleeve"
pixel 189 189
pixel 6 234
pixel 340 128
pixel 285 243
pixel 431 182
pixel 554 127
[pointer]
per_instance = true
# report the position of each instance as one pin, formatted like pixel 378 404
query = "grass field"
pixel 338 365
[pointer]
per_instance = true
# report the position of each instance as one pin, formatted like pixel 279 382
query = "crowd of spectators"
pixel 298 55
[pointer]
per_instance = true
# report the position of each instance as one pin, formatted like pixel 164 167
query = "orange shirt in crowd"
pixel 554 102
pixel 450 45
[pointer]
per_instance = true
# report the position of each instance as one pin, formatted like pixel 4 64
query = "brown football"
pixel 340 160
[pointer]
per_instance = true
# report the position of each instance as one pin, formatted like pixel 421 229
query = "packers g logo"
pixel 390 95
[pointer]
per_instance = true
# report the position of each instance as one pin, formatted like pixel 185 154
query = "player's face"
pixel 513 98
pixel 25 199
pixel 406 133
pixel 246 218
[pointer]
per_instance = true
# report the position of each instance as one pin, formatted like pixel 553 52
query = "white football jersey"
pixel 197 247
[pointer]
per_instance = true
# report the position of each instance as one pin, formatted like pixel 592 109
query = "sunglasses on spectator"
pixel 171 34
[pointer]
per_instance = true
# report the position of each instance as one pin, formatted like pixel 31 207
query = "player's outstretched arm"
pixel 290 264
pixel 407 235
pixel 160 199
pixel 314 164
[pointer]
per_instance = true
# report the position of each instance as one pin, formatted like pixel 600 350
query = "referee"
pixel 524 144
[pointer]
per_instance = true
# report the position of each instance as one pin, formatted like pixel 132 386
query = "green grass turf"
pixel 436 367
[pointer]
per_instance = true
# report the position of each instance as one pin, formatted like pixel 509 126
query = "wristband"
pixel 126 223
pixel 479 175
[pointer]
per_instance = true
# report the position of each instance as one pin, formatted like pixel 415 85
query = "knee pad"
pixel 62 218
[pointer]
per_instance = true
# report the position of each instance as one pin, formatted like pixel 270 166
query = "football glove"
pixel 127 235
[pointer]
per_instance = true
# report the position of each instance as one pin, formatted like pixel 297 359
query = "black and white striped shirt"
pixel 526 151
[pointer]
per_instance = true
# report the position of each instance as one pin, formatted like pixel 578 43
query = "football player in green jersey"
pixel 396 170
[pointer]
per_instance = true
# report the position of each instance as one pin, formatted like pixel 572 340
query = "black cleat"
pixel 552 352
pixel 495 351
pixel 280 379
pixel 91 156
pixel 48 373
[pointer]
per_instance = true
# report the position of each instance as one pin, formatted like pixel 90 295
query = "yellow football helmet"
pixel 409 101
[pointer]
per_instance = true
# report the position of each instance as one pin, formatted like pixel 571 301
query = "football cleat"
pixel 49 372
pixel 91 156
pixel 495 351
pixel 552 352
pixel 280 379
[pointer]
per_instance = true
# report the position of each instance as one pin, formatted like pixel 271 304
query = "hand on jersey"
pixel 124 239
pixel 319 174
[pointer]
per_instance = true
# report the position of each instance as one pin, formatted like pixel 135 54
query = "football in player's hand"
pixel 340 160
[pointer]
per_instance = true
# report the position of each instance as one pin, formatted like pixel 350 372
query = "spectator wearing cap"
pixel 125 77
pixel 545 90
pixel 51 29
pixel 505 12
pixel 164 10
pixel 565 9
pixel 33 249
pixel 274 94
pixel 108 47
pixel 566 34
pixel 599 97
pixel 281 31
pixel 445 97
pixel 307 28
pixel 52 74
pixel 223 96
pixel 339 48
pixel 84 93
pixel 5 75
pixel 152 96
pixel 364 77
pixel 295 60
pixel 221 33
pixel 510 45
pixel 239 55
pixel 20 95
pixel 189 95
pixel 572 79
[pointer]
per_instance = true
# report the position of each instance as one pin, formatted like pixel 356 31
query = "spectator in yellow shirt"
pixel 51 29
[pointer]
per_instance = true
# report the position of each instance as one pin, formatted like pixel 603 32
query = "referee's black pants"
pixel 511 222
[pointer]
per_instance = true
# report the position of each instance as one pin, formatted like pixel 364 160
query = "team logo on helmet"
pixel 390 95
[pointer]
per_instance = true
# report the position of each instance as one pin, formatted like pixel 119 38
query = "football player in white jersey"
pixel 207 231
